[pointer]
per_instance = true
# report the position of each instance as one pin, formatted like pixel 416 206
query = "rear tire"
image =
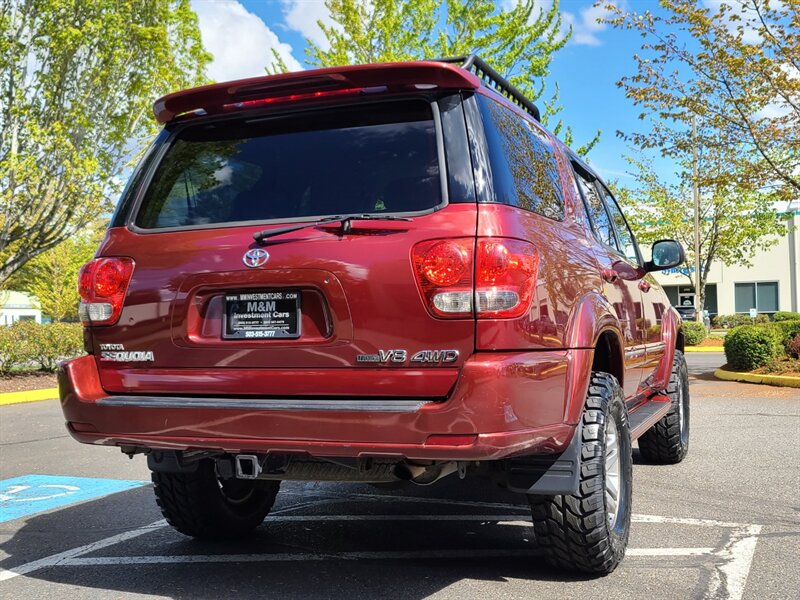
pixel 201 505
pixel 588 531
pixel 667 442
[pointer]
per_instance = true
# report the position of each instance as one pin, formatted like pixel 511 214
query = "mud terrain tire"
pixel 667 442
pixel 200 505
pixel 588 531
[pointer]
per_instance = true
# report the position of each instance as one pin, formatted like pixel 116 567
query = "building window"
pixel 762 295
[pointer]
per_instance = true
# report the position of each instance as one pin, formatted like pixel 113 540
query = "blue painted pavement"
pixel 31 494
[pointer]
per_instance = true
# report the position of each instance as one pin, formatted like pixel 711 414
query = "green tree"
pixel 736 68
pixel 77 82
pixel 734 223
pixel 518 42
pixel 52 276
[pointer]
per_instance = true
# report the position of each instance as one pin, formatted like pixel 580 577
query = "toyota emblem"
pixel 255 257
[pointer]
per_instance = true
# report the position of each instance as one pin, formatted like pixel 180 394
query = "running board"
pixel 648 414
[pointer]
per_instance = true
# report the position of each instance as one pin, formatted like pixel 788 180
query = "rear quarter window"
pixel 523 164
pixel 365 159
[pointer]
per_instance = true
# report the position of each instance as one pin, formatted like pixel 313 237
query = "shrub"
pixel 14 348
pixel 693 333
pixel 728 321
pixel 793 347
pixel 788 330
pixel 27 343
pixel 783 315
pixel 749 347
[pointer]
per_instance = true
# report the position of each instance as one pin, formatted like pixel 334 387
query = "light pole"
pixel 696 193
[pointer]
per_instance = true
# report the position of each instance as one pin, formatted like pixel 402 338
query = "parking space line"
pixel 55 559
pixel 738 556
pixel 686 521
pixel 61 557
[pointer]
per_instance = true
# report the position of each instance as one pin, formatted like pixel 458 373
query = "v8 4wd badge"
pixel 399 356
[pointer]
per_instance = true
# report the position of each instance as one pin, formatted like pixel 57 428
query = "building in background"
pixel 18 306
pixel 771 284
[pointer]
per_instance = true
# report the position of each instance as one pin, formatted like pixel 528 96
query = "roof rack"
pixel 494 80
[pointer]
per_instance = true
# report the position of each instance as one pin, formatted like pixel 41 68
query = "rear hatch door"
pixel 327 310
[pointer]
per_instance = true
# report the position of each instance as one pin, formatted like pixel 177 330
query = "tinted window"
pixel 524 168
pixel 626 239
pixel 367 159
pixel 601 224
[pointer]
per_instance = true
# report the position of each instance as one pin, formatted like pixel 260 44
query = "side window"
pixel 524 168
pixel 626 239
pixel 601 224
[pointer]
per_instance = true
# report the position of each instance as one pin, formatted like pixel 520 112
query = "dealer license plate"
pixel 262 315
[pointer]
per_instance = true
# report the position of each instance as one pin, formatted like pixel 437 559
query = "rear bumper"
pixel 503 404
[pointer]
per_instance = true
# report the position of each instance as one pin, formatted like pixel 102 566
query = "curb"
pixel 779 380
pixel 703 349
pixel 28 396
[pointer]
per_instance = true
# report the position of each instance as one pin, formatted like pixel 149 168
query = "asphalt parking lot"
pixel 82 522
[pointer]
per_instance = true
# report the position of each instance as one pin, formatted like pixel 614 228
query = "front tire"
pixel 667 442
pixel 588 531
pixel 201 505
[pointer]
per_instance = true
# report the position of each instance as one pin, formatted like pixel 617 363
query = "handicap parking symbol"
pixel 31 494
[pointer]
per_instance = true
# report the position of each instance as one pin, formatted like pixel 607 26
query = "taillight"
pixel 102 284
pixel 505 274
pixel 505 277
pixel 444 275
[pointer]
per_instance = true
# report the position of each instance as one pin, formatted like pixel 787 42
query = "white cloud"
pixel 239 40
pixel 303 16
pixel 584 22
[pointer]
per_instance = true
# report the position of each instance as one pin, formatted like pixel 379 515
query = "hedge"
pixel 749 347
pixel 693 333
pixel 783 315
pixel 29 344
pixel 728 321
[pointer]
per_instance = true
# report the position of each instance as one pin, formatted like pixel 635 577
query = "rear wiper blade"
pixel 344 219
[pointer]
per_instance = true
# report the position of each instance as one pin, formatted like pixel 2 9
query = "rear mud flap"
pixel 546 475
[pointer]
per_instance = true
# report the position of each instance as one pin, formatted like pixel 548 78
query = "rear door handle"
pixel 609 275
pixel 644 286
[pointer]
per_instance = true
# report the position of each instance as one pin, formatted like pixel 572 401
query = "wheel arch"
pixel 595 338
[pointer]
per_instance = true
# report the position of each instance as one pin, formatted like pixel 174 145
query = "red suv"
pixel 377 273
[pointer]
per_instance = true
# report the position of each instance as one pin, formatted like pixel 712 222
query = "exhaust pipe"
pixel 247 466
pixel 424 474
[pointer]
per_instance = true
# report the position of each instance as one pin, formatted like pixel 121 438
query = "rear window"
pixel 366 159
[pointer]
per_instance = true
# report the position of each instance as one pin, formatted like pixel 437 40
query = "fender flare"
pixel 671 331
pixel 591 317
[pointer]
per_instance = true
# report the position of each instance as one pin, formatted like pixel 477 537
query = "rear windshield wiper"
pixel 260 236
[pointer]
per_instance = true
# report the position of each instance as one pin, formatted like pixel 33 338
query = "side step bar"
pixel 648 414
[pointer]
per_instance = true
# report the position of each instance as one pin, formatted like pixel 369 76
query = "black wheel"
pixel 201 505
pixel 667 442
pixel 588 531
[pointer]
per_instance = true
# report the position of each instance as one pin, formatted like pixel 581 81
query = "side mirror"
pixel 666 255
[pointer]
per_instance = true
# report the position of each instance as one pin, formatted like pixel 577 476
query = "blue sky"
pixel 241 33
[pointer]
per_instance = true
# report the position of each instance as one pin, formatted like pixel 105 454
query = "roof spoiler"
pixel 214 98
pixel 457 73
